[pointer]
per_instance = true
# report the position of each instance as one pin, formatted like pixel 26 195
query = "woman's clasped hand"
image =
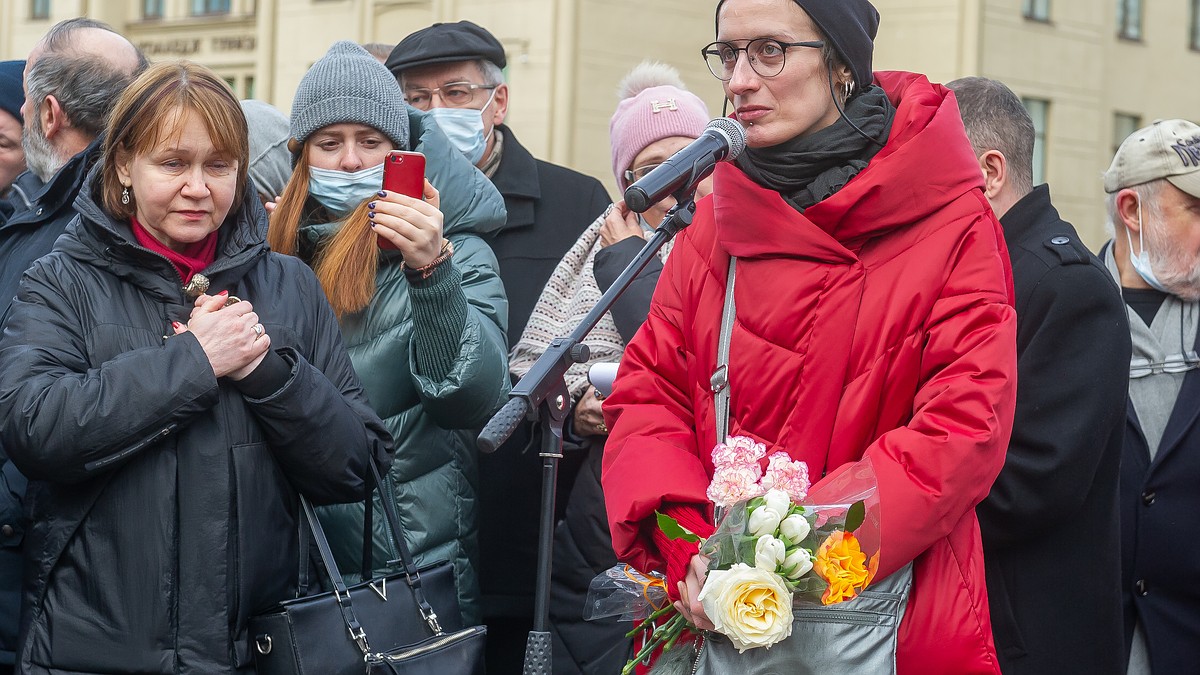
pixel 230 334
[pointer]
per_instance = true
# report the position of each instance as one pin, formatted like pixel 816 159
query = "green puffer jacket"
pixel 434 417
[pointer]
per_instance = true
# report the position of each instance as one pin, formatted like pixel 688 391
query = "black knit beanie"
pixel 850 26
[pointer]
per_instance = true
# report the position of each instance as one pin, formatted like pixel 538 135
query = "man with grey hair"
pixel 1056 498
pixel 72 79
pixel 454 71
pixel 1153 188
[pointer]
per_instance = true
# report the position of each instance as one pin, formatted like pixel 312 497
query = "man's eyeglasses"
pixel 638 173
pixel 1176 363
pixel 767 56
pixel 454 94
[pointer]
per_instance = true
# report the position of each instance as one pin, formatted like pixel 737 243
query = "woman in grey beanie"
pixel 424 319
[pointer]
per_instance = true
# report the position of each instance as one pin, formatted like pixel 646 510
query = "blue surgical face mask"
pixel 341 192
pixel 1141 262
pixel 464 127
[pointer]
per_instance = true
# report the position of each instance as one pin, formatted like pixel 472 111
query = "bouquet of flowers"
pixel 775 545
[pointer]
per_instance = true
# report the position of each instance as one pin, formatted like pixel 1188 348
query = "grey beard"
pixel 40 156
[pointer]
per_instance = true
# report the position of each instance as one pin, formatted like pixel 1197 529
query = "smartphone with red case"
pixel 403 172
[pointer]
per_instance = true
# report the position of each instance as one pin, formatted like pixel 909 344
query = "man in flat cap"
pixel 454 71
pixel 1153 202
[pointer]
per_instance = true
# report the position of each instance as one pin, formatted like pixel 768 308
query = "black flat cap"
pixel 446 43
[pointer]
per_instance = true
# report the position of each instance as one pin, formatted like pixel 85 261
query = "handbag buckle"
pixel 263 644
pixel 432 620
pixel 719 379
pixel 360 638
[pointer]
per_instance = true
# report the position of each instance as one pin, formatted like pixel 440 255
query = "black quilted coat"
pixel 163 500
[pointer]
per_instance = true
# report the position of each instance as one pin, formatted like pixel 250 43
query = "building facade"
pixel 1090 71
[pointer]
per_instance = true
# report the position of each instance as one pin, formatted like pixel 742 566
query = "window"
pixel 248 91
pixel 210 7
pixel 1039 110
pixel 1194 38
pixel 1123 126
pixel 1129 19
pixel 1037 10
pixel 152 9
pixel 39 9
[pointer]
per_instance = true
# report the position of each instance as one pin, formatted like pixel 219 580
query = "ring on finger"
pixel 258 330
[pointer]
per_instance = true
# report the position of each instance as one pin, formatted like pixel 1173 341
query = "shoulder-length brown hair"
pixel 346 264
pixel 145 115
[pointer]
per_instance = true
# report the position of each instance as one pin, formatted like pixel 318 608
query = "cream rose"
pixel 750 606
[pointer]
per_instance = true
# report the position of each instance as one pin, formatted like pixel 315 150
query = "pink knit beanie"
pixel 654 105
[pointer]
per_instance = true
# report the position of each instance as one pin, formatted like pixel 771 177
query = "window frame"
pixel 153 16
pixel 1036 10
pixel 1041 124
pixel 1119 135
pixel 39 10
pixel 207 7
pixel 1194 27
pixel 1130 20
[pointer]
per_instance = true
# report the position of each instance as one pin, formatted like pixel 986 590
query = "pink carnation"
pixel 738 451
pixel 785 474
pixel 733 484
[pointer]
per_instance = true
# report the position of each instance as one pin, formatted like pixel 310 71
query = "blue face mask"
pixel 464 127
pixel 1141 262
pixel 341 192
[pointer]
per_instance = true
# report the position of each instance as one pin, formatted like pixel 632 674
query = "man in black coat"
pixel 455 71
pixel 1153 205
pixel 73 77
pixel 1050 533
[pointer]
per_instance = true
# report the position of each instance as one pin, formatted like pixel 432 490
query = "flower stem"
pixel 648 623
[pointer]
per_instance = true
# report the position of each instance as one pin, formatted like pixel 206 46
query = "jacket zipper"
pixel 843 616
pixel 117 456
pixel 699 652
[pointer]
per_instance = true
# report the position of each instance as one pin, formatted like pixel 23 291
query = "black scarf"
pixel 808 169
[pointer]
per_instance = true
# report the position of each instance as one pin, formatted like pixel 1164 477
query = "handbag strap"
pixel 410 569
pixel 340 592
pixel 720 377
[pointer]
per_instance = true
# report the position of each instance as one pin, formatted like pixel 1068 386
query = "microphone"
pixel 723 139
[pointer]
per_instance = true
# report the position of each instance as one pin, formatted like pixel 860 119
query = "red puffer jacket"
pixel 879 323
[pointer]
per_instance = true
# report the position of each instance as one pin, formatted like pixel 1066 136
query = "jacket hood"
pixel 97 238
pixel 469 201
pixel 926 164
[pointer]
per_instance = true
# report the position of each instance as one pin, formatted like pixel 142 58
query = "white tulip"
pixel 763 520
pixel 778 501
pixel 769 553
pixel 795 527
pixel 797 563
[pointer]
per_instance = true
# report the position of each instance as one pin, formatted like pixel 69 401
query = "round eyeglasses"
pixel 454 94
pixel 766 55
pixel 638 173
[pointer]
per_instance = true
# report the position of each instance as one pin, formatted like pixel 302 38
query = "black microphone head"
pixel 733 132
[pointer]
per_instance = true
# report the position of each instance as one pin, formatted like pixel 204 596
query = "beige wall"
pixel 567 56
pixel 1075 61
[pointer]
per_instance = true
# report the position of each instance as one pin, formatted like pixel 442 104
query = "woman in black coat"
pixel 168 431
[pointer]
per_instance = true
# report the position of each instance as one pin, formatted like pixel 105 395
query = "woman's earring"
pixel 848 88
pixel 125 195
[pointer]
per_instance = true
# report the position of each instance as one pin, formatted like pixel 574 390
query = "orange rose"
pixel 842 564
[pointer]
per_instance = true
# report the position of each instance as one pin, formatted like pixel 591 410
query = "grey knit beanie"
pixel 349 85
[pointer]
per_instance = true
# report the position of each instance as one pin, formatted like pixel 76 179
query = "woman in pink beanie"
pixel 656 117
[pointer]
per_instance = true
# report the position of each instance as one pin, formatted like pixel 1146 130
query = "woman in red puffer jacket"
pixel 874 319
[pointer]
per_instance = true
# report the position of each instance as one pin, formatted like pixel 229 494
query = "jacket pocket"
pixel 856 636
pixel 266 558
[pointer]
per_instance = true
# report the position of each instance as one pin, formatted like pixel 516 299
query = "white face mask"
pixel 1141 262
pixel 465 129
pixel 341 192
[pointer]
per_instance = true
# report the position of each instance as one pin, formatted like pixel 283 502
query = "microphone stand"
pixel 542 395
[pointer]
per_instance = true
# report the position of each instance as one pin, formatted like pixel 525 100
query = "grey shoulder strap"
pixel 720 377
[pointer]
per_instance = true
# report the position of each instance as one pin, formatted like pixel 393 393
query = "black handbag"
pixel 386 626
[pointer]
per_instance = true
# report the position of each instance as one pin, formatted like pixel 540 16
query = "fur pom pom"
pixel 649 74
